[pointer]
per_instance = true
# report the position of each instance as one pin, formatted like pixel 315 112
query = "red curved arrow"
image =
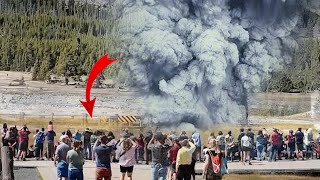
pixel 100 65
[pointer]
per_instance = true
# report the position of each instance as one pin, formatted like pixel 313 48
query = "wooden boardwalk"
pixel 48 171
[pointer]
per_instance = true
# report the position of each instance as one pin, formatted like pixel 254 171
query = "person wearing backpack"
pixel 212 169
pixel 299 143
pixel 291 144
pixel 40 136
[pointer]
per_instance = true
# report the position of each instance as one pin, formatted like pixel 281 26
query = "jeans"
pixel 260 152
pixel 39 150
pixel 50 149
pixel 87 148
pixel 75 174
pixel 141 153
pixel 93 153
pixel 158 172
pixel 274 152
pixel 148 156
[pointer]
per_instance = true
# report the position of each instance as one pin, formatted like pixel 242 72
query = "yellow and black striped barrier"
pixel 127 119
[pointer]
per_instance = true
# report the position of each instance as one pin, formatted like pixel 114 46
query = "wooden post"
pixel 7 163
pixel 52 117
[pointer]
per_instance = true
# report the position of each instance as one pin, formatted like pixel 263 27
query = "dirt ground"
pixel 39 98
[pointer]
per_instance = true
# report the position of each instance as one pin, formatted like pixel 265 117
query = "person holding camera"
pixel 159 146
pixel 23 142
pixel 103 153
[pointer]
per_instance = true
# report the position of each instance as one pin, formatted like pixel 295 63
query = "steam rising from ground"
pixel 196 61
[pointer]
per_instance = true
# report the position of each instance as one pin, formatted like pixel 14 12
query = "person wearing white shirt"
pixel 246 147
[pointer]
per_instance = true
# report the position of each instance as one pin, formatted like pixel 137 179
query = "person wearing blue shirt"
pixel 260 145
pixel 103 152
pixel 197 142
pixel 77 136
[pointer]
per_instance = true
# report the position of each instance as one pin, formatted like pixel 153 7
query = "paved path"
pixel 48 171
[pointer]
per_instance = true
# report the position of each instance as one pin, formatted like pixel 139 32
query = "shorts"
pixel 103 173
pixel 246 149
pixel 75 174
pixel 173 168
pixel 62 169
pixel 126 169
pixel 299 147
pixel 23 146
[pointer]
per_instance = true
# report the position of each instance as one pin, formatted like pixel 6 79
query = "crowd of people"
pixel 171 156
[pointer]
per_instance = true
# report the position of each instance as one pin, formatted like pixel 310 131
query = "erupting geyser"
pixel 196 61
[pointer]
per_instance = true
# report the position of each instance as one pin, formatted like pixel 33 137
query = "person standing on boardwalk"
pixel 239 143
pixel 4 132
pixel 173 157
pixel 50 140
pixel 229 144
pixel 75 159
pixel 246 147
pixel 60 159
pixel 87 144
pixel 213 164
pixel 299 143
pixel 259 145
pixel 159 146
pixel 127 157
pixel 147 139
pixel 184 159
pixel 102 151
pixel 274 139
pixel 197 142
pixel 39 138
pixel 23 140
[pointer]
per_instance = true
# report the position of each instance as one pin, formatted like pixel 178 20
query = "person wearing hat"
pixel 87 144
pixel 61 158
pixel 75 159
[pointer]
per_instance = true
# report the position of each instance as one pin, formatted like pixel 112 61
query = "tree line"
pixel 57 37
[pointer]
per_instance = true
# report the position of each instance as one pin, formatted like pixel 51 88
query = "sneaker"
pixel 250 163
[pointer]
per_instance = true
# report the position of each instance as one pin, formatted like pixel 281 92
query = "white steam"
pixel 196 60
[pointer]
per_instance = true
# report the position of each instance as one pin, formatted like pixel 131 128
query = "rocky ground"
pixel 39 98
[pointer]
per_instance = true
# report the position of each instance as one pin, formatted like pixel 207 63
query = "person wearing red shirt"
pixel 274 143
pixel 173 157
pixel 140 142
pixel 23 140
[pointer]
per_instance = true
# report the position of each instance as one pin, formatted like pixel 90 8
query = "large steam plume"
pixel 196 61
